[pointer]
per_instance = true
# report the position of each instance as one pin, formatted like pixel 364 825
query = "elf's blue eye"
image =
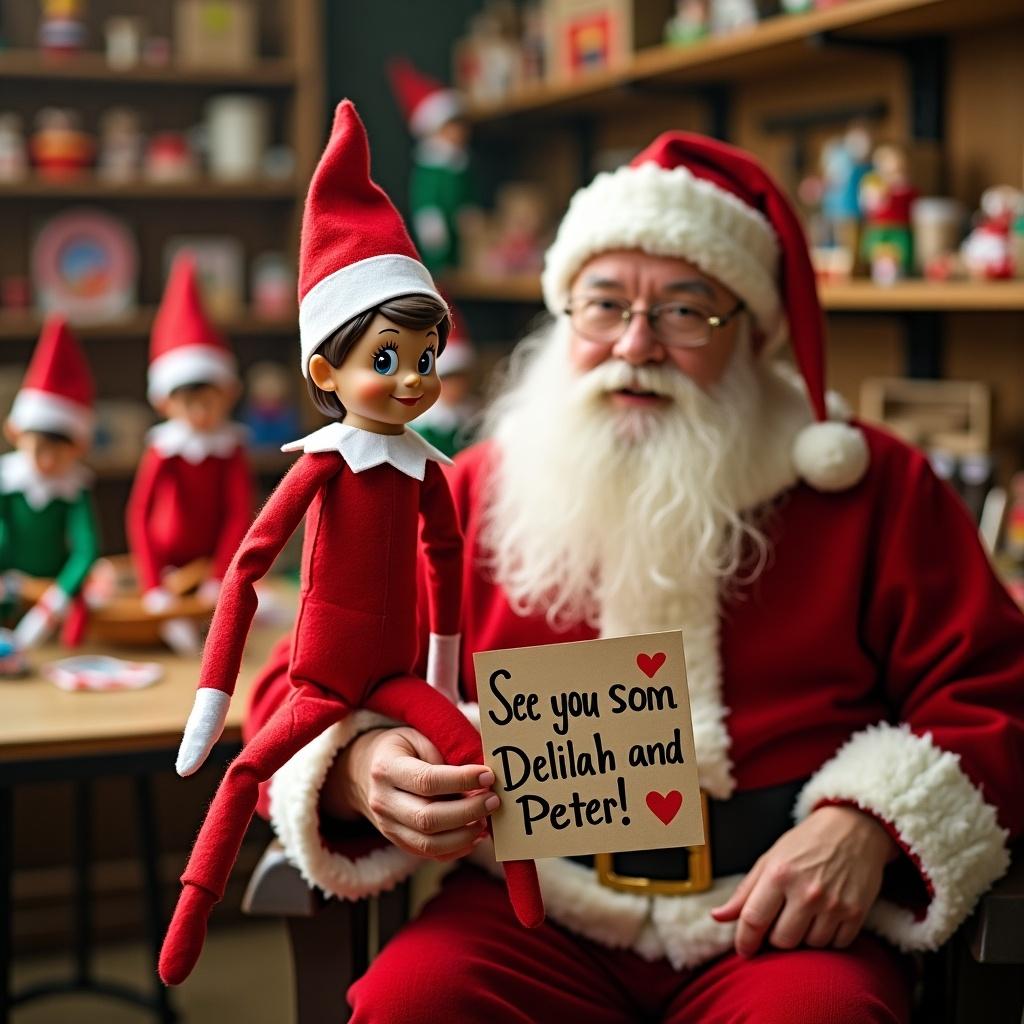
pixel 385 362
pixel 426 363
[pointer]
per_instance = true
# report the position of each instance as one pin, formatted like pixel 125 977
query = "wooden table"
pixel 48 735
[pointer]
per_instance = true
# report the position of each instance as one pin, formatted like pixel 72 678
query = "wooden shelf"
pixel 849 296
pixel 781 43
pixel 26 326
pixel 95 188
pixel 32 66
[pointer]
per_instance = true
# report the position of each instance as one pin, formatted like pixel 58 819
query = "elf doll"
pixel 441 183
pixel 371 326
pixel 47 527
pixel 192 496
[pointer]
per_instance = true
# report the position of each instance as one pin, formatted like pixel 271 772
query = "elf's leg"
pixel 412 700
pixel 306 714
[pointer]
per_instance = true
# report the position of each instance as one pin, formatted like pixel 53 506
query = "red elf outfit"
pixel 362 495
pixel 192 495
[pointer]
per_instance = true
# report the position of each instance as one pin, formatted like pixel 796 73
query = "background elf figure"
pixel 192 495
pixel 441 183
pixel 371 327
pixel 47 526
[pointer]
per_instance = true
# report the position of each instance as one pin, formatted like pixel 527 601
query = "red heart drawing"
pixel 666 806
pixel 650 663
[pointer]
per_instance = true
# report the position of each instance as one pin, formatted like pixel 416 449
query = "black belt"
pixel 741 829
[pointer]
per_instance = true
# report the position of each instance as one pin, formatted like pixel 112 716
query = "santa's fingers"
pixel 730 910
pixel 759 912
pixel 432 817
pixel 443 846
pixel 431 780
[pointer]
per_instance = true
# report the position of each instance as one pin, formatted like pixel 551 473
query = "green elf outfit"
pixel 47 525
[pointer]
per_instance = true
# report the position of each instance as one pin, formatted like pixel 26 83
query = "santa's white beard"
pixel 619 517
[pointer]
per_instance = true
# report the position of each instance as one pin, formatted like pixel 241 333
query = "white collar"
pixel 363 449
pixel 435 152
pixel 19 476
pixel 176 437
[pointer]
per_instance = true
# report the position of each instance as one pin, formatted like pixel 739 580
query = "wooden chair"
pixel 976 977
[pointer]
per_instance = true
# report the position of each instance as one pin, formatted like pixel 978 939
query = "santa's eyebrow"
pixel 604 282
pixel 689 286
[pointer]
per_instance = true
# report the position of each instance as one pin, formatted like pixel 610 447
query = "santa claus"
pixel 853 663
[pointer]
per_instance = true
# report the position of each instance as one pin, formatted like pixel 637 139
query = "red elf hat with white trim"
pixel 426 104
pixel 355 251
pixel 184 346
pixel 698 199
pixel 57 394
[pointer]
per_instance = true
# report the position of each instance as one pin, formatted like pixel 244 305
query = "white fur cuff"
pixel 295 816
pixel 938 813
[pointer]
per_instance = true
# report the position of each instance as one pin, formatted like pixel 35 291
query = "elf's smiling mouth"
pixel 408 401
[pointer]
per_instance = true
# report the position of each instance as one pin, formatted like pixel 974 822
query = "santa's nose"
pixel 638 344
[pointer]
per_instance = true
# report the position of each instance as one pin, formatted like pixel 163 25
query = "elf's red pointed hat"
pixel 355 251
pixel 57 394
pixel 184 346
pixel 425 102
pixel 701 200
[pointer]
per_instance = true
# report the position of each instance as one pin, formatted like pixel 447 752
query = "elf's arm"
pixel 137 518
pixel 222 654
pixel 236 512
pixel 442 549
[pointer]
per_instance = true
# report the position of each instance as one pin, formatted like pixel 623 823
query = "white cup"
pixel 237 127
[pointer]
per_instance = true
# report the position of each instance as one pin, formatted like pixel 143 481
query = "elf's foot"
pixel 185 935
pixel 524 892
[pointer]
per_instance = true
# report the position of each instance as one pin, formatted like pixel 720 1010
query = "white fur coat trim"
pixel 940 815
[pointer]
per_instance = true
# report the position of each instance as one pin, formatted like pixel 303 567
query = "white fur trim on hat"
pixel 354 289
pixel 44 411
pixel 939 814
pixel 436 110
pixel 831 456
pixel 669 213
pixel 190 364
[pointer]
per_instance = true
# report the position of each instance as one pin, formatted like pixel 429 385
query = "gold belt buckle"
pixel 698 864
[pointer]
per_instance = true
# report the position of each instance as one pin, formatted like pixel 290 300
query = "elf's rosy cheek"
pixel 373 388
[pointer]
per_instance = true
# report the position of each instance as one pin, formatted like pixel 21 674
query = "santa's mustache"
pixel 665 381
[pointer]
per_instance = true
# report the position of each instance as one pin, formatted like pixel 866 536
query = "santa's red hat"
pixel 425 102
pixel 57 394
pixel 355 251
pixel 184 346
pixel 701 200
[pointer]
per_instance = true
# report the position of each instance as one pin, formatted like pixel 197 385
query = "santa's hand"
pixel 814 886
pixel 443 664
pixel 41 619
pixel 397 779
pixel 202 730
pixel 157 600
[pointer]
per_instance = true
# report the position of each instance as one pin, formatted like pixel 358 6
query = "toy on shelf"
pixel 13 151
pixel 170 158
pixel 220 264
pixel 273 286
pixel 60 150
pixel 732 16
pixel 441 184
pixel 123 36
pixel 690 23
pixel 937 224
pixel 886 196
pixel 47 528
pixel 488 60
pixel 269 412
pixel 448 423
pixel 121 145
pixel 62 27
pixel 192 495
pixel 1015 521
pixel 371 326
pixel 216 33
pixel 987 251
pixel 844 163
pixel 518 224
pixel 237 132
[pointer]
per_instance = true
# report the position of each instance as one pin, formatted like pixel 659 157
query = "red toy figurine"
pixel 192 496
pixel 371 326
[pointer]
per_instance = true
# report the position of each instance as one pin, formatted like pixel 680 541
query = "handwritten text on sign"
pixel 591 745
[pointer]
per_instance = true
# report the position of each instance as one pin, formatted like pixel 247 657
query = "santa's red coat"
pixel 877 655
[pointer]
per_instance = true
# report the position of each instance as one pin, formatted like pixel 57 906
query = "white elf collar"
pixel 19 476
pixel 363 449
pixel 175 437
pixel 436 152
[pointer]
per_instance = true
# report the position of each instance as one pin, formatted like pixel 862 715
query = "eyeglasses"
pixel 604 320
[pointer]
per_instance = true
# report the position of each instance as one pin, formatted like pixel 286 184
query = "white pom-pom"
pixel 830 456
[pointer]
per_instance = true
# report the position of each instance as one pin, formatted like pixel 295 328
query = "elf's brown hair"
pixel 418 312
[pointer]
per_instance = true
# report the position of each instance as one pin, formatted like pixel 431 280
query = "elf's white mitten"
pixel 443 664
pixel 41 619
pixel 202 730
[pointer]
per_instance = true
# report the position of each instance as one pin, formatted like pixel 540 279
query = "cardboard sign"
pixel 591 746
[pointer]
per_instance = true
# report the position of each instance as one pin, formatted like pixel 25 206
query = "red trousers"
pixel 465 960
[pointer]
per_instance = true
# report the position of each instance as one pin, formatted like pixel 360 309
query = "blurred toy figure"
pixel 689 24
pixel 13 153
pixel 987 251
pixel 169 157
pixel 62 27
pixel 886 196
pixel 441 184
pixel 517 243
pixel 47 528
pixel 60 149
pixel 120 145
pixel 192 496
pixel 732 15
pixel 844 163
pixel 269 413
pixel 447 424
